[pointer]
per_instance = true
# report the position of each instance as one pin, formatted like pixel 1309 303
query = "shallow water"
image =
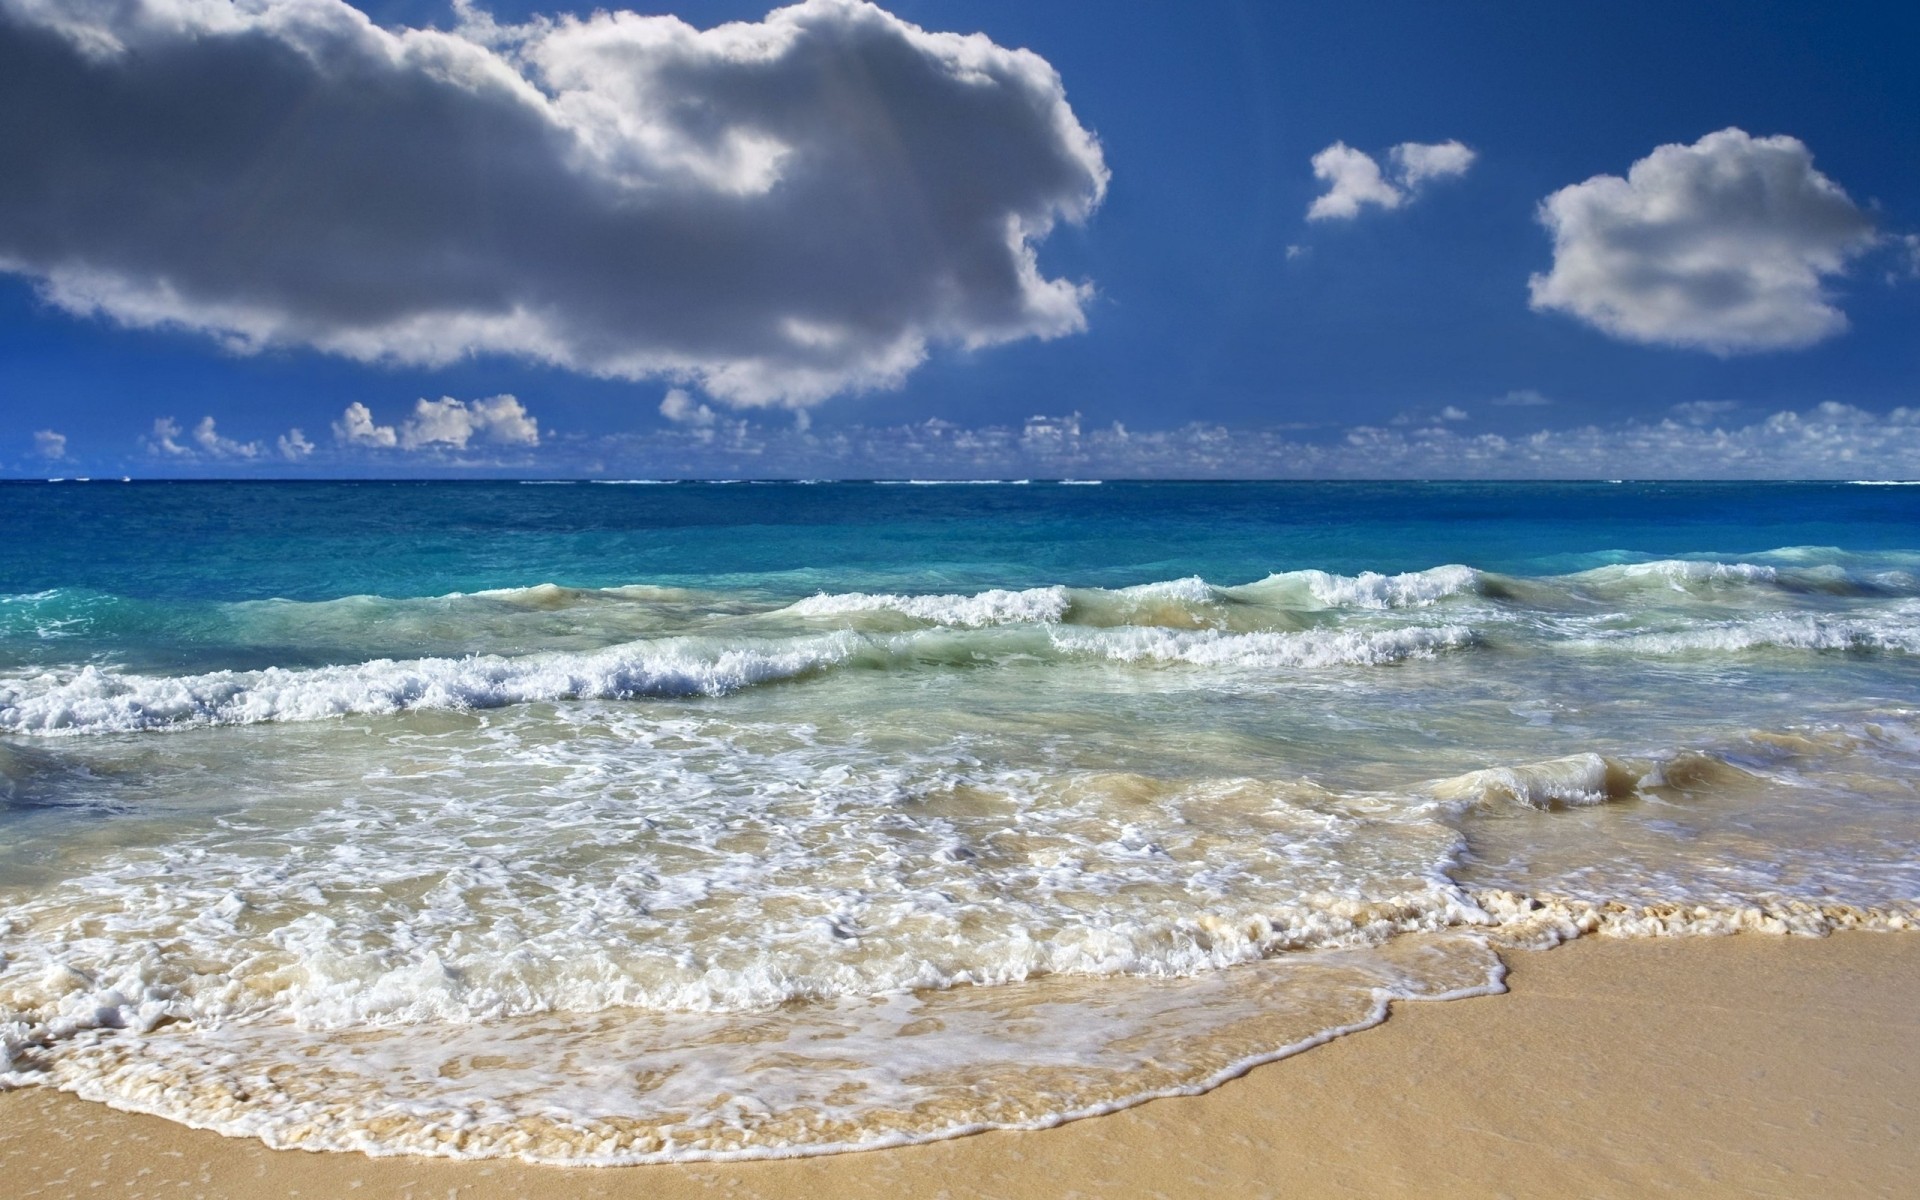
pixel 594 824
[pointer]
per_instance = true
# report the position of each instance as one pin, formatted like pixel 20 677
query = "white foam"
pixel 1310 649
pixel 1896 632
pixel 1190 590
pixel 996 607
pixel 1372 590
pixel 1679 575
pixel 93 700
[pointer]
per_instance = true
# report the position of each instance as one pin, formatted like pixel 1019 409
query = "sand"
pixel 1739 1066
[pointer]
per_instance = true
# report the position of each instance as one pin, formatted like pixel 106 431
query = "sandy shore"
pixel 1748 1065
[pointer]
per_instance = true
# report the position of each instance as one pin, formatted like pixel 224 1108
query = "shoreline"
pixel 1740 1065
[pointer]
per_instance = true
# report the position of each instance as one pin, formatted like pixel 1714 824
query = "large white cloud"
pixel 1725 245
pixel 775 211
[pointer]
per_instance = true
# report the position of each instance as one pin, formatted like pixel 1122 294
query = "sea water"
pixel 601 824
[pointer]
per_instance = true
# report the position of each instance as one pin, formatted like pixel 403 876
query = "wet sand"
pixel 1738 1066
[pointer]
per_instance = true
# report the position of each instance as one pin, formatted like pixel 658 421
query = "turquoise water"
pixel 613 823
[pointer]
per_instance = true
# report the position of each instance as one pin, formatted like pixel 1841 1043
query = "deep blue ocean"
pixel 313 541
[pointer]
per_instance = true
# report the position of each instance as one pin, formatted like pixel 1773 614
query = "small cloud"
pixel 1294 252
pixel 356 428
pixel 1699 412
pixel 209 440
pixel 1355 180
pixel 50 445
pixel 1428 416
pixel 1522 398
pixel 681 409
pixel 294 445
pixel 165 439
pixel 1416 162
pixel 1907 247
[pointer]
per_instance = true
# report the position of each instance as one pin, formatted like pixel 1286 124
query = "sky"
pixel 413 238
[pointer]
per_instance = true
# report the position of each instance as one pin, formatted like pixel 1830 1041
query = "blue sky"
pixel 1207 326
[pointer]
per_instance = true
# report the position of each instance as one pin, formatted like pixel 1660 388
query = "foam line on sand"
pixel 1745 1065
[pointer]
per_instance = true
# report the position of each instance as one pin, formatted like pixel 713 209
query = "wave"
pixel 96 700
pixel 1576 781
pixel 1187 603
pixel 995 607
pixel 1897 633
pixel 1585 780
pixel 1307 649
pixel 1807 599
pixel 1794 571
pixel 1314 589
pixel 100 701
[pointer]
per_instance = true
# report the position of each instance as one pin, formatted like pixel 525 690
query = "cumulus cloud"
pixel 215 446
pixel 293 445
pixel 1725 245
pixel 681 409
pixel 356 428
pixel 50 445
pixel 773 211
pixel 443 424
pixel 164 439
pixel 1415 163
pixel 1354 179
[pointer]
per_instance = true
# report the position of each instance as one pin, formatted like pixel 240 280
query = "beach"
pixel 1737 1066
pixel 541 656
pixel 922 813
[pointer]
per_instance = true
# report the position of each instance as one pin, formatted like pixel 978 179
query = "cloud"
pixel 774 211
pixel 164 440
pixel 1824 442
pixel 1725 245
pixel 1907 248
pixel 1415 163
pixel 50 445
pixel 1355 180
pixel 1700 412
pixel 1699 440
pixel 443 424
pixel 356 428
pixel 293 445
pixel 209 440
pixel 1429 416
pixel 680 408
pixel 1522 398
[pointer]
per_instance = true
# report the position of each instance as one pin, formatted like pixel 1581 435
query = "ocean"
pixel 612 823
